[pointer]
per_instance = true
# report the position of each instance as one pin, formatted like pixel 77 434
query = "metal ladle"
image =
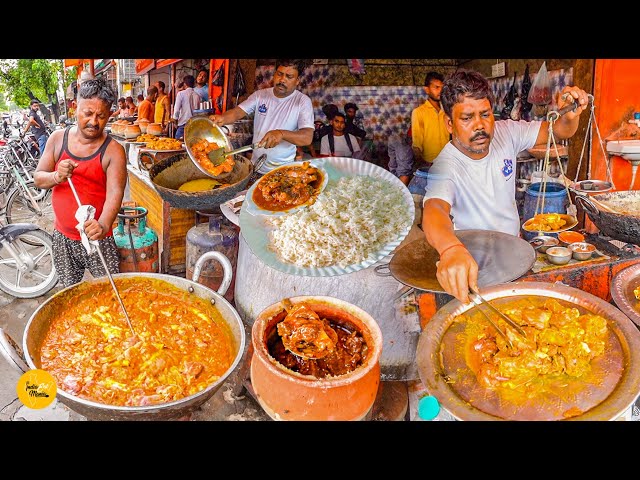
pixel 104 263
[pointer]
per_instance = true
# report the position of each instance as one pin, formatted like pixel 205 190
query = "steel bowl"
pixel 543 242
pixel 582 250
pixel 559 255
pixel 606 399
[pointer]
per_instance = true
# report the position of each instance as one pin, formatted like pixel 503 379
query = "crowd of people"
pixel 452 132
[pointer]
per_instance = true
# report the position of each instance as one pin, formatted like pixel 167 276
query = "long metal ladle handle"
pixel 104 263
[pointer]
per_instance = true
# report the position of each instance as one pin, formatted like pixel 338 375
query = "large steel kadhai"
pixel 622 292
pixel 501 258
pixel 604 394
pixel 29 357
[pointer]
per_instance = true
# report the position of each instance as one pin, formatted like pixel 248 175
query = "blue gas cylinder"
pixel 137 245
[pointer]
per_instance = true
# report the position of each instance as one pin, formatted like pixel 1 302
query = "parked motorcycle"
pixel 26 260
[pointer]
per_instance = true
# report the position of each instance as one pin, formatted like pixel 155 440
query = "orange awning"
pixel 143 65
pixel 163 62
pixel 73 62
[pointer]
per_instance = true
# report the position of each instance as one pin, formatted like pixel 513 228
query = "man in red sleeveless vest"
pixel 97 165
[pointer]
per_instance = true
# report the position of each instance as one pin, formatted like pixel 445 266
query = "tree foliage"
pixel 25 79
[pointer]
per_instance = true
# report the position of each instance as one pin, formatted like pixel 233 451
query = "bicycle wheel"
pixel 20 209
pixel 37 275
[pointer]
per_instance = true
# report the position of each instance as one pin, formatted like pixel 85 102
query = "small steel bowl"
pixel 559 255
pixel 543 242
pixel 582 250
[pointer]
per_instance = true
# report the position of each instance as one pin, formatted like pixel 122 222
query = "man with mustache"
pixel 98 167
pixel 473 177
pixel 283 116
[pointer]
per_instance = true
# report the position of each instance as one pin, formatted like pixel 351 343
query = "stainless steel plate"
pixel 501 258
pixel 591 186
pixel 606 399
pixel 622 286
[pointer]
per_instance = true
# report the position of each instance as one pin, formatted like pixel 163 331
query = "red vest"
pixel 90 182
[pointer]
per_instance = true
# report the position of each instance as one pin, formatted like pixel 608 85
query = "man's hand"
pixel 217 119
pixel 271 139
pixel 578 96
pixel 65 169
pixel 457 271
pixel 94 229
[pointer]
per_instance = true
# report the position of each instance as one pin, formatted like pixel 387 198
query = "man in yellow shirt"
pixel 163 107
pixel 428 129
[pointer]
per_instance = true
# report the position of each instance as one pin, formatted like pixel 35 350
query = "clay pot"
pixel 288 395
pixel 131 131
pixel 143 123
pixel 154 129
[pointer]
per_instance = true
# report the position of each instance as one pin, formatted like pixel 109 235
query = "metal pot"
pixel 623 225
pixel 445 374
pixel 38 326
pixel 167 175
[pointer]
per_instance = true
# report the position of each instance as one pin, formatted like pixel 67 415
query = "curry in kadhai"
pixel 288 187
pixel 182 344
pixel 559 341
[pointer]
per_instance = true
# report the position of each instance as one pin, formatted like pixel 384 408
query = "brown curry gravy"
pixel 280 175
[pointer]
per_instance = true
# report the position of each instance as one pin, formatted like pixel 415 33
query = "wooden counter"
pixel 170 224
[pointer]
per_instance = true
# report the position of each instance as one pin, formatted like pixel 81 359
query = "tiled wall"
pixel 385 110
pixel 501 86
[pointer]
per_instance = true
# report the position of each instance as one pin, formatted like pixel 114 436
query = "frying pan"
pixel 501 258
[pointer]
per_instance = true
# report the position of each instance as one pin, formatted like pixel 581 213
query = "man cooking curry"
pixel 473 177
pixel 283 116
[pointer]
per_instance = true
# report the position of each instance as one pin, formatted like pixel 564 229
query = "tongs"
pixel 510 322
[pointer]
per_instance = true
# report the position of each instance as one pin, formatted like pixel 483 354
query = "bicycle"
pixel 25 203
pixel 26 260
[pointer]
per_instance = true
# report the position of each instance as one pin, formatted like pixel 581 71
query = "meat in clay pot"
pixel 339 386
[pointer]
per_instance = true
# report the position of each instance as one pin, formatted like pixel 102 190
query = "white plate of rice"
pixel 363 214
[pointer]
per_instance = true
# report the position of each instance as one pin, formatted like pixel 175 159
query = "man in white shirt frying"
pixel 473 177
pixel 283 116
pixel 337 143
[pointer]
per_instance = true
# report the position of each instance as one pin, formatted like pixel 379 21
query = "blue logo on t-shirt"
pixel 508 167
pixel 262 108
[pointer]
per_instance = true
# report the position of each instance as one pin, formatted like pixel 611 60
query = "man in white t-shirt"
pixel 337 143
pixel 283 116
pixel 473 177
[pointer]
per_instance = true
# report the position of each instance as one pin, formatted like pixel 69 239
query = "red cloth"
pixel 90 182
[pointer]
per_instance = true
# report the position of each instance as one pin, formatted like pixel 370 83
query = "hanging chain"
pixel 594 124
pixel 552 116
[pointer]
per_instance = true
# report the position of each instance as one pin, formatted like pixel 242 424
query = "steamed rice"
pixel 347 223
